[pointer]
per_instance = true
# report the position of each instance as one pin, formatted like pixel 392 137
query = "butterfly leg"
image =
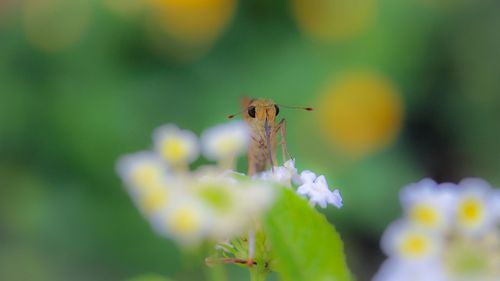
pixel 251 165
pixel 284 150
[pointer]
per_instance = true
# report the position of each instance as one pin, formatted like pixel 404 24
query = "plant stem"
pixel 256 274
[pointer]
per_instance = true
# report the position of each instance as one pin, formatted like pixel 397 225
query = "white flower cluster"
pixel 449 232
pixel 212 202
pixel 309 185
pixel 190 206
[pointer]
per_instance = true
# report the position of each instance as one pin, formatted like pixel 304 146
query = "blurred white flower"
pixel 495 201
pixel 316 188
pixel 225 141
pixel 234 204
pixel 408 242
pixel 147 182
pixel 469 258
pixel 397 270
pixel 187 221
pixel 154 200
pixel 475 206
pixel 255 197
pixel 428 204
pixel 449 231
pixel 176 146
pixel 211 172
pixel 141 170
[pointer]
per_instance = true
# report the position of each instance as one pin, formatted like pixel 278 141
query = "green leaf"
pixel 304 244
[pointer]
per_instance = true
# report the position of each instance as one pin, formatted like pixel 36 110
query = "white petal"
pixel 321 183
pixel 395 235
pixel 335 199
pixel 415 191
pixel 397 270
pixel 475 213
pixel 495 201
pixel 141 170
pixel 304 189
pixel 319 198
pixel 290 165
pixel 226 140
pixel 307 176
pixel 476 184
pixel 187 221
pixel 176 145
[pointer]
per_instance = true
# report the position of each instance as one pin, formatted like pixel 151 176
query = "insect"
pixel 261 115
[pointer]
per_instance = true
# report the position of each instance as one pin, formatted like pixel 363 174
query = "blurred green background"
pixel 403 90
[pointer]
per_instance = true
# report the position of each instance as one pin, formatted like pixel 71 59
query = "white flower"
pixel 281 174
pixel 235 204
pixel 405 241
pixel 469 258
pixel 176 146
pixel 450 232
pixel 495 199
pixel 154 200
pixel 226 140
pixel 147 181
pixel 188 221
pixel 255 197
pixel 398 270
pixel 428 204
pixel 306 177
pixel 211 173
pixel 316 188
pixel 476 210
pixel 290 166
pixel 141 170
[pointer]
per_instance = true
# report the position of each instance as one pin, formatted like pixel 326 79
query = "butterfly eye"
pixel 251 111
pixel 277 108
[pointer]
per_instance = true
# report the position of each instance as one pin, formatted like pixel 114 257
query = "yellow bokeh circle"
pixel 334 19
pixel 54 25
pixel 193 21
pixel 185 30
pixel 360 113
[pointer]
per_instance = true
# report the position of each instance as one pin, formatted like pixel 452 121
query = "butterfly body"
pixel 260 115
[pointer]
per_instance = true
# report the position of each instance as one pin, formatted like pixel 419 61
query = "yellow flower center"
pixel 471 212
pixel 155 200
pixel 185 221
pixel 217 197
pixel 425 215
pixel 174 150
pixel 415 246
pixel 227 146
pixel 146 175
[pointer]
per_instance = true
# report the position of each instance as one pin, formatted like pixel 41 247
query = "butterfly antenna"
pixel 298 107
pixel 233 115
